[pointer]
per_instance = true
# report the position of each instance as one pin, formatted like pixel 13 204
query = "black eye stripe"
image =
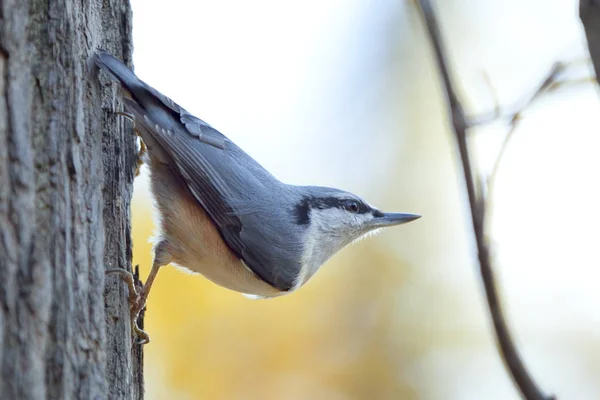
pixel 324 203
pixel 302 209
pixel 302 212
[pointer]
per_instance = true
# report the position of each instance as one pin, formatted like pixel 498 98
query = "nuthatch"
pixel 223 215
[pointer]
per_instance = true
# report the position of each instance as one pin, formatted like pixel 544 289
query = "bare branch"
pixel 510 356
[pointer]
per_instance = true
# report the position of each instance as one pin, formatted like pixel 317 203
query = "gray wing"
pixel 241 197
pixel 156 105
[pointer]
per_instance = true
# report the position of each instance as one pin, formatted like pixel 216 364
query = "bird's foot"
pixel 137 302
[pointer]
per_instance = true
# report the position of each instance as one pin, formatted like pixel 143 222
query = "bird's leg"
pixel 135 305
pixel 142 150
pixel 137 298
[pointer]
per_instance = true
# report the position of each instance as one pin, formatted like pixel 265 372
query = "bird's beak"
pixel 391 219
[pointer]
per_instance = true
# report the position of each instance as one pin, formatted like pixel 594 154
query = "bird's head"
pixel 334 218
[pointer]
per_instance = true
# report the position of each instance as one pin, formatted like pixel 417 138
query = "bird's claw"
pixel 137 302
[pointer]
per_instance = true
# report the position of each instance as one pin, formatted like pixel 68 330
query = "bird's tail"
pixel 118 71
pixel 148 102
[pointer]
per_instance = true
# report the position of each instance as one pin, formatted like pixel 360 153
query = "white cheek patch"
pixel 330 230
pixel 340 222
pixel 330 219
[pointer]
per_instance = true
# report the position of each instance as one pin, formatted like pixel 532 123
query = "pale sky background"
pixel 344 94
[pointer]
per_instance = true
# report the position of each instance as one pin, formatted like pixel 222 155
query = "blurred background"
pixel 345 93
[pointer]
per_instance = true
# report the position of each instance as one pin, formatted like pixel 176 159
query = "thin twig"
pixel 547 85
pixel 510 356
pixel 550 84
pixel 496 113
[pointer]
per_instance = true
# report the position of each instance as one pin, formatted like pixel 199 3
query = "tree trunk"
pixel 589 12
pixel 66 173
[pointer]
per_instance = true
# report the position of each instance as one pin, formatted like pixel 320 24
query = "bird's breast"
pixel 193 240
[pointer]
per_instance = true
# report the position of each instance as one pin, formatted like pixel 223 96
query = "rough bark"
pixel 589 12
pixel 66 172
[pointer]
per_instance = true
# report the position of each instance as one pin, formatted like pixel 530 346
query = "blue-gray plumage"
pixel 217 203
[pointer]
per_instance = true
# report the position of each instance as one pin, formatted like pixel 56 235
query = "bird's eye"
pixel 352 206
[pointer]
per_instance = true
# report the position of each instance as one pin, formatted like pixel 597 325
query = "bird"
pixel 224 216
